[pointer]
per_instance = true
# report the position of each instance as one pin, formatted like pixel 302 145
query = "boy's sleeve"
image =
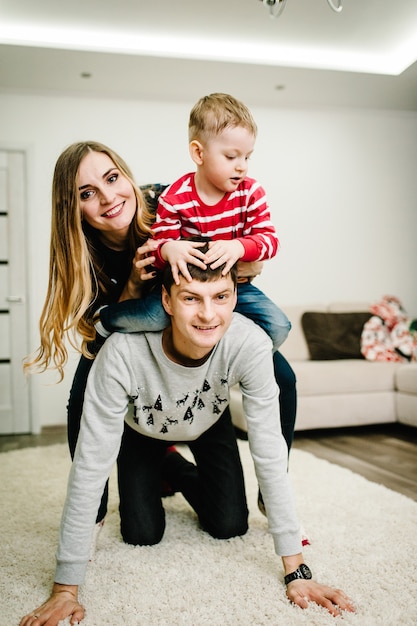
pixel 261 243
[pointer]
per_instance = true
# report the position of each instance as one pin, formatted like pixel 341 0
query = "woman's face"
pixel 107 198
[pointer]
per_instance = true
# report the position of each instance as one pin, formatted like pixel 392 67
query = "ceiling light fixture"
pixel 276 7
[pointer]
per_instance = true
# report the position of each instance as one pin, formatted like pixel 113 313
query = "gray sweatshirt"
pixel 132 379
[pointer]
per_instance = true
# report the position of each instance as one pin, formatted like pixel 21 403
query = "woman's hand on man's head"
pixel 142 271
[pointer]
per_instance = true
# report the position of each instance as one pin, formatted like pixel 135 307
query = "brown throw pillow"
pixel 334 335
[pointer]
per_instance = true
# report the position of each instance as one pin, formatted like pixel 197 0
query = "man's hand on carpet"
pixel 62 603
pixel 301 592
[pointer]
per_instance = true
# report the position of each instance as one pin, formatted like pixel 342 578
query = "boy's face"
pixel 225 158
pixel 201 312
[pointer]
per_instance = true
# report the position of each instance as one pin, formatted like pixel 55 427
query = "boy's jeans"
pixel 254 304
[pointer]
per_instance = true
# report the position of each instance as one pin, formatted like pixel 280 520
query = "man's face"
pixel 201 312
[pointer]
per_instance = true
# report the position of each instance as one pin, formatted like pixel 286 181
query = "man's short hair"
pixel 197 273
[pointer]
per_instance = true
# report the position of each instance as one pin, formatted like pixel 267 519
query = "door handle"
pixel 15 299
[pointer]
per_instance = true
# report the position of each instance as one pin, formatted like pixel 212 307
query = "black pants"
pixel 213 485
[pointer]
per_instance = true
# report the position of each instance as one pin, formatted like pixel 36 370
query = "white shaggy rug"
pixel 364 540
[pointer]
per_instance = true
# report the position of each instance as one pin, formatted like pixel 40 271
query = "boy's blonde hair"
pixel 212 114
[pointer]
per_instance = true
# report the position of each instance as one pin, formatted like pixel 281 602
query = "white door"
pixel 14 391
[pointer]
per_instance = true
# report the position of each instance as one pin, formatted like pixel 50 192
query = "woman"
pixel 101 254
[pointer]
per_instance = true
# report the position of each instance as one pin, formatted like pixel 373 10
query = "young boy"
pixel 220 202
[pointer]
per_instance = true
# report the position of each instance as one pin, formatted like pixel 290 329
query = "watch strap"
pixel 302 571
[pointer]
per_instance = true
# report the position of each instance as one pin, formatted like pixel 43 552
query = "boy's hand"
pixel 224 251
pixel 179 253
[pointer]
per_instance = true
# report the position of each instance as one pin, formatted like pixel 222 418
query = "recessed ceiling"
pixel 363 56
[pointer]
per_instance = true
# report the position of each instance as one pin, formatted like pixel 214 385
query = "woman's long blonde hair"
pixel 76 276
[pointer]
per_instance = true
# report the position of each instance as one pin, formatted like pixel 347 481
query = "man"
pixel 177 385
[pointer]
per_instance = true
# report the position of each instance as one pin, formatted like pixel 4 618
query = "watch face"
pixel 305 570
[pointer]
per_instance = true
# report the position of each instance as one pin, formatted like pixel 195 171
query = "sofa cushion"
pixel 332 336
pixel 406 378
pixel 344 376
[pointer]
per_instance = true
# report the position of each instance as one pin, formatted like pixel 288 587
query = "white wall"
pixel 342 187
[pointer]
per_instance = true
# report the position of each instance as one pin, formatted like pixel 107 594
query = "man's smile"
pixel 205 327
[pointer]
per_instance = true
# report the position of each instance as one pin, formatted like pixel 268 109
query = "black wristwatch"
pixel 303 571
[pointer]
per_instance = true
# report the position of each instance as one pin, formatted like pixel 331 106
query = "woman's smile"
pixel 115 211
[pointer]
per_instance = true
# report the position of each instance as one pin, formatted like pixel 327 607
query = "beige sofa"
pixel 342 392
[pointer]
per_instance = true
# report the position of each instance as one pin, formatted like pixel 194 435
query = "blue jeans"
pixel 213 486
pixel 133 316
pixel 254 304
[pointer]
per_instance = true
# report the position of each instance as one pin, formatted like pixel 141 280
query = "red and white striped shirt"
pixel 242 214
